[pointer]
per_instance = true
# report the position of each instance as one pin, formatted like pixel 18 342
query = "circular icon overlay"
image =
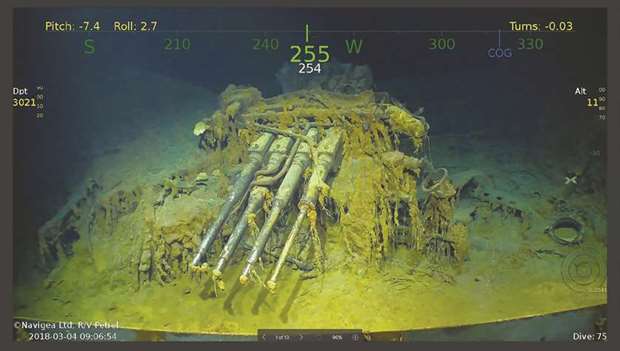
pixel 584 273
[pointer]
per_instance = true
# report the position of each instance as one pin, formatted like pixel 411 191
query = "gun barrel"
pixel 257 153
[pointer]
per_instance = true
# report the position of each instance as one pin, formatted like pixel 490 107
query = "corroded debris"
pixel 338 163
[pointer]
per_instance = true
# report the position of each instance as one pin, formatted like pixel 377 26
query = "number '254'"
pixel 310 53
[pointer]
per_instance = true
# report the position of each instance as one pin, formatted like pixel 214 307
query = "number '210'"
pixel 309 53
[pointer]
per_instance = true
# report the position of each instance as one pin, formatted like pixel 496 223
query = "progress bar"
pixel 310 335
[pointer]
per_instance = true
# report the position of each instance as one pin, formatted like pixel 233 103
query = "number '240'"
pixel 310 53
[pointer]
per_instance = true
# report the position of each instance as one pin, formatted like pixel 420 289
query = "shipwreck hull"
pixel 308 210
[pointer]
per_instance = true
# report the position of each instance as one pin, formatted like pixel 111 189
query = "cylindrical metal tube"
pixel 327 151
pixel 271 284
pixel 277 154
pixel 270 180
pixel 257 196
pixel 287 188
pixel 257 153
pixel 259 244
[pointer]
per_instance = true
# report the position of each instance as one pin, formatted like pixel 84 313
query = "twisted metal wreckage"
pixel 316 159
pixel 301 140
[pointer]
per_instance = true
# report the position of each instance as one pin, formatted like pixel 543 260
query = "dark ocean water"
pixel 525 99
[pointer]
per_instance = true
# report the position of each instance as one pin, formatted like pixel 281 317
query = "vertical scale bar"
pixel 307 33
pixel 499 38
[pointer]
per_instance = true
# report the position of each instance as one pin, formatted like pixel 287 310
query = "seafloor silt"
pixel 322 207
